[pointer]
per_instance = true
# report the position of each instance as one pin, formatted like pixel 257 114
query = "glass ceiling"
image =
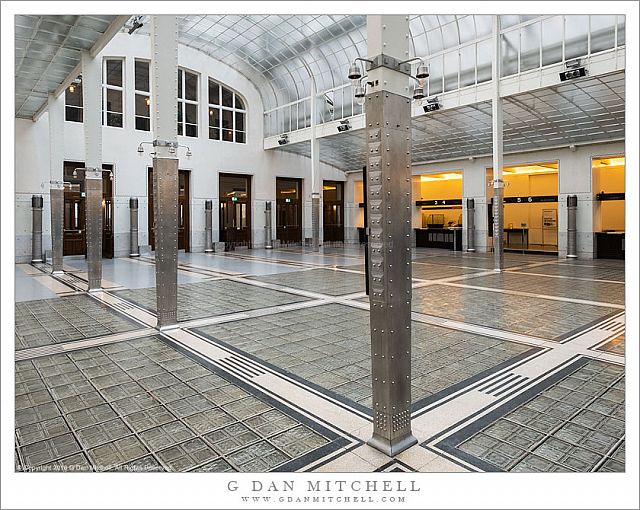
pixel 279 52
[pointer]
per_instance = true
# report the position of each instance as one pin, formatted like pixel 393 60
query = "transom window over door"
pixel 187 103
pixel 112 96
pixel 227 114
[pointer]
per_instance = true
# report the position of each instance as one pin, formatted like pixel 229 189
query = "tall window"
pixel 226 114
pixel 187 103
pixel 112 96
pixel 143 99
pixel 73 110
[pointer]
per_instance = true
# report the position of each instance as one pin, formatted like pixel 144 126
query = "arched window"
pixel 227 114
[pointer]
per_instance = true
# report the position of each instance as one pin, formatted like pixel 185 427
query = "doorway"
pixel 288 211
pixel 235 210
pixel 183 210
pixel 74 238
pixel 333 212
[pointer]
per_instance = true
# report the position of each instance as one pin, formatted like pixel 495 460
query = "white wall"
pixel 119 145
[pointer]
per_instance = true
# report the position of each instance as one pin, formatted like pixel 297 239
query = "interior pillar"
pixel 92 103
pixel 56 156
pixel 496 121
pixel 164 76
pixel 315 172
pixel 388 125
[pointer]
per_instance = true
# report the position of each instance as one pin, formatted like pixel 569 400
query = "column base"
pixel 36 261
pixel 471 250
pixel 572 256
pixel 134 255
pixel 209 250
pixel 393 447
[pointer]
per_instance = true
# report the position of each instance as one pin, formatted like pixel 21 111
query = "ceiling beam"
pixel 114 27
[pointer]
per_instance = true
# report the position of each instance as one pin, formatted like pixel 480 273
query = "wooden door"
pixel 183 210
pixel 333 211
pixel 289 211
pixel 235 210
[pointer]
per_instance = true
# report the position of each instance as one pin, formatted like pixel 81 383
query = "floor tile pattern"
pixel 329 345
pixel 53 321
pixel 206 299
pixel 141 405
pixel 527 315
pixel 577 271
pixel 576 289
pixel 614 346
pixel 576 424
pixel 323 281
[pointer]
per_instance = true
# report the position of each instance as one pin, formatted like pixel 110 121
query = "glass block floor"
pixel 286 385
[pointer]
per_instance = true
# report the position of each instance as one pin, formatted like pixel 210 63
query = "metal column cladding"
pixel 316 183
pixel 268 234
pixel 164 76
pixel 57 225
pixel 36 228
pixel 208 226
pixel 471 224
pixel 497 137
pixel 93 218
pixel 56 149
pixel 134 248
pixel 572 241
pixel 388 127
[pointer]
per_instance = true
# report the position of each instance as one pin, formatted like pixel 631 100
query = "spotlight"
pixel 344 126
pixel 432 105
pixel 284 139
pixel 573 73
pixel 136 23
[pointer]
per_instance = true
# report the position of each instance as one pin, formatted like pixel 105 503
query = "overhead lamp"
pixel 344 125
pixel 189 153
pixel 354 71
pixel 284 139
pixel 359 92
pixel 147 100
pixel 418 92
pixel 72 86
pixel 140 149
pixel 432 105
pixel 423 71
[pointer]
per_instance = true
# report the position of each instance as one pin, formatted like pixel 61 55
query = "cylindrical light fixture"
pixel 423 71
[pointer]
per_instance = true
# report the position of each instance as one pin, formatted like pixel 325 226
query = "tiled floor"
pixel 51 321
pixel 142 405
pixel 526 374
pixel 329 347
pixel 197 300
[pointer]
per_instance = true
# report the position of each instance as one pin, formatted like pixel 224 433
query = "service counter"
pixel 450 238
pixel 610 245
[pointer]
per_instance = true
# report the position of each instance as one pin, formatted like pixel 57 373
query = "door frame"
pixel 341 201
pixel 249 203
pixel 187 211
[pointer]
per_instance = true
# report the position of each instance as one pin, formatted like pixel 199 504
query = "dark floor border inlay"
pixel 416 406
pixel 449 444
pixel 337 441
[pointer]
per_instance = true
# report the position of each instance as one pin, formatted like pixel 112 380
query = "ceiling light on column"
pixel 359 92
pixel 422 71
pixel 284 139
pixel 419 91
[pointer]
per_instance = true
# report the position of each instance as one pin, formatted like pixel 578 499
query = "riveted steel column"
pixel 93 218
pixel 208 226
pixel 471 225
pixel 572 231
pixel 36 228
pixel 268 234
pixel 164 72
pixel 92 103
pixel 134 248
pixel 56 190
pixel 315 171
pixel 388 127
pixel 498 183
